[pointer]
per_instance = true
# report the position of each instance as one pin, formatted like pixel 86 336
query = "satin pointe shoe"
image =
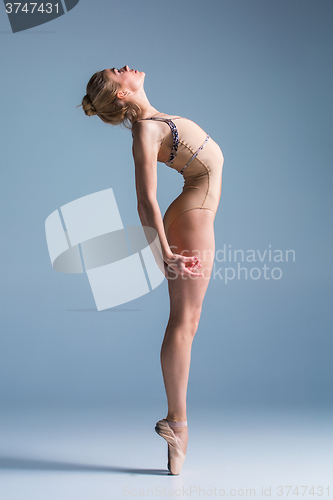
pixel 176 455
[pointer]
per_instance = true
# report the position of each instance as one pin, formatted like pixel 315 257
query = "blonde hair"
pixel 101 99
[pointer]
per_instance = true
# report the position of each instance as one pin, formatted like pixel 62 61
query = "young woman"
pixel 186 232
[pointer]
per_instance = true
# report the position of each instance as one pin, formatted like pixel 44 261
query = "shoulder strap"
pixel 155 118
pixel 159 118
pixel 167 120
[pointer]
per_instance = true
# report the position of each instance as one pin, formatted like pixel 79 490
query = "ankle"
pixel 176 418
pixel 176 424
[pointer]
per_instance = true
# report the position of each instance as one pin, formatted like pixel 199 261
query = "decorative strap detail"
pixel 175 137
pixel 177 424
pixel 175 142
pixel 195 155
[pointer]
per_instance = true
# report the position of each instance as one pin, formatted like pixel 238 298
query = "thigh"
pixel 192 233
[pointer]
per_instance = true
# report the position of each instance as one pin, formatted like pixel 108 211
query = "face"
pixel 129 79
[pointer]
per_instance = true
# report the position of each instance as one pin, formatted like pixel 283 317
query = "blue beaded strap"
pixel 175 137
pixel 195 155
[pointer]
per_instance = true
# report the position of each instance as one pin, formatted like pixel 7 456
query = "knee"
pixel 193 327
pixel 187 321
pixel 194 318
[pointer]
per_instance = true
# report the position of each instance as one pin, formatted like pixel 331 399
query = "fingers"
pixel 185 259
pixel 193 267
pixel 188 271
pixel 195 263
pixel 194 258
pixel 192 263
pixel 185 265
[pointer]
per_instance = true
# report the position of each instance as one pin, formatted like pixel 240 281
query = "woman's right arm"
pixel 145 151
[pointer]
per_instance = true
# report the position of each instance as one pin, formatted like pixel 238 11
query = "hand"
pixel 184 265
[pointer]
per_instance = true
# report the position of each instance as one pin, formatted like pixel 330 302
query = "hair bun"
pixel 88 107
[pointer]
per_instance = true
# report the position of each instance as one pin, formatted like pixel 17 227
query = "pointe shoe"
pixel 176 455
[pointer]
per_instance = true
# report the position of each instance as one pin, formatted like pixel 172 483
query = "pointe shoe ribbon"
pixel 164 429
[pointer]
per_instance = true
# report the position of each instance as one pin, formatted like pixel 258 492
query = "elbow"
pixel 145 205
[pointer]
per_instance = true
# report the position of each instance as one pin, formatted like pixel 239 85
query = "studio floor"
pixel 113 453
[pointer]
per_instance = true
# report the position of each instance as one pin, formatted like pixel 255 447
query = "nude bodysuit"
pixel 199 159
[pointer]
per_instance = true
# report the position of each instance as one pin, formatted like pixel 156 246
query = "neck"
pixel 147 110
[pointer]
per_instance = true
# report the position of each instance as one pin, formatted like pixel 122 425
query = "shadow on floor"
pixel 12 463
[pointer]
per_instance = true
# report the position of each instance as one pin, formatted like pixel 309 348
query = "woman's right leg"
pixel 192 233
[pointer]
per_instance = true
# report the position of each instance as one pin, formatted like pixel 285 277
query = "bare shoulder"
pixel 147 139
pixel 146 142
pixel 145 130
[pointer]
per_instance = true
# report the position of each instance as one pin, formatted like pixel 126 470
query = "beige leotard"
pixel 199 159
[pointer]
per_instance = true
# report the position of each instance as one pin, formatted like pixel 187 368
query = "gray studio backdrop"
pixel 257 76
